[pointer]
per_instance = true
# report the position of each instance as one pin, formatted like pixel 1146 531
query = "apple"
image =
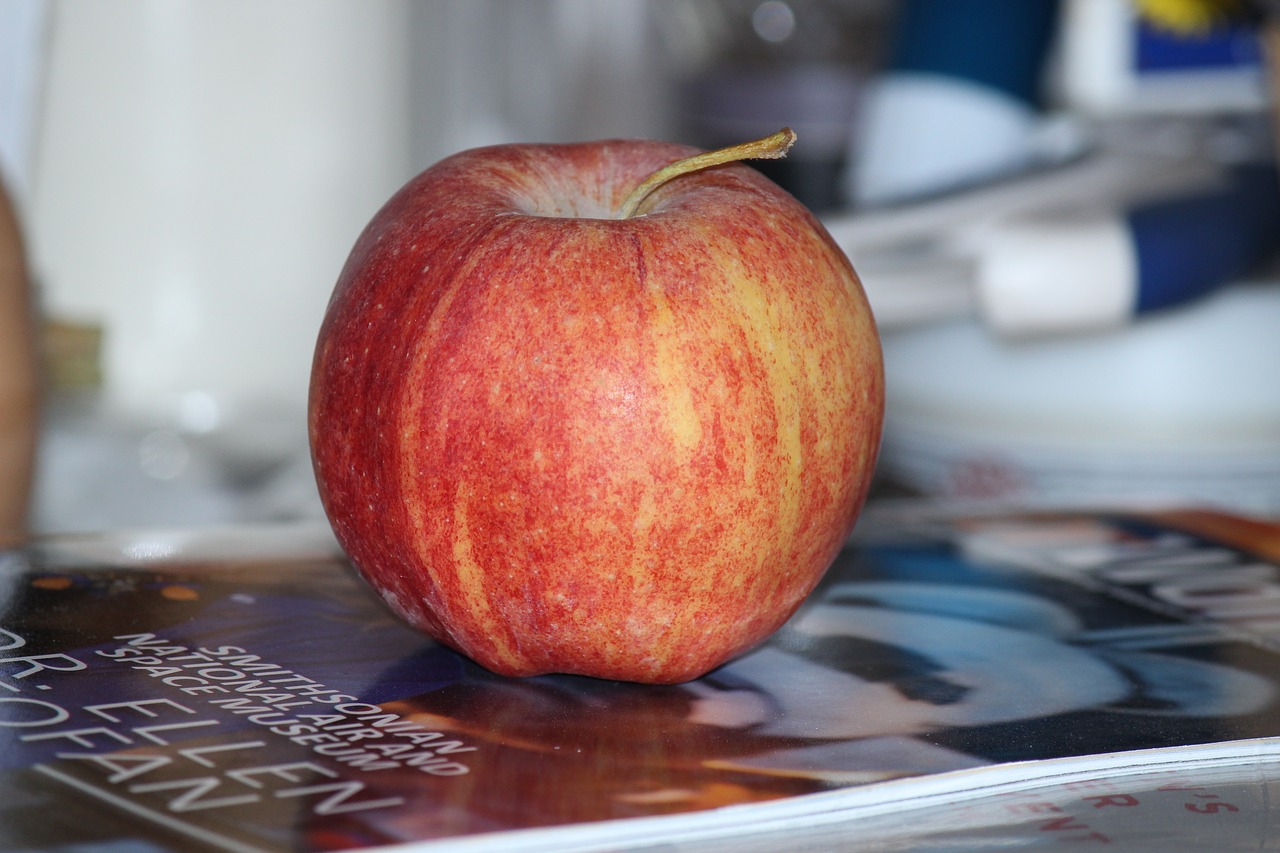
pixel 606 409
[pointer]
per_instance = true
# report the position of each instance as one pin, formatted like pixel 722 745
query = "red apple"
pixel 561 434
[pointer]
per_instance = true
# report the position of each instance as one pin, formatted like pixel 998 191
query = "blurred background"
pixel 1064 211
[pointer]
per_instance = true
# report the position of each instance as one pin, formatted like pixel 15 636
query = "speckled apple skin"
pixel 559 441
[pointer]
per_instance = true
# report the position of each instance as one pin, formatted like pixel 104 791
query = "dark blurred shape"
pixel 800 63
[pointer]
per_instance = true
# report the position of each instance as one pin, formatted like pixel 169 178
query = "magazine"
pixel 1067 675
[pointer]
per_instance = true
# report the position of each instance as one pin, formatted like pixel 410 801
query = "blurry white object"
pixel 1182 406
pixel 902 155
pixel 1111 65
pixel 203 171
pixel 22 32
pixel 205 167
pixel 1076 271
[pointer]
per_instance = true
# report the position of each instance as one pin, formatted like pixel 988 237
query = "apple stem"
pixel 771 147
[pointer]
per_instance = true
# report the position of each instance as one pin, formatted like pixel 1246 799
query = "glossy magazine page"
pixel 244 690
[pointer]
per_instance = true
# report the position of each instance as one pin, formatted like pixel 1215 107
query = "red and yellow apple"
pixel 563 422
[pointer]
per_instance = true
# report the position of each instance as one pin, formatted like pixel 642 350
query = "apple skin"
pixel 562 442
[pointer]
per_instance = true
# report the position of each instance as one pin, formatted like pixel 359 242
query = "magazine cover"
pixel 243 690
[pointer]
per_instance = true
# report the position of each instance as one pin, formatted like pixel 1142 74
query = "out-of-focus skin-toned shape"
pixel 19 381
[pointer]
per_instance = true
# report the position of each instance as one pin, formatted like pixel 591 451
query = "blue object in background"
pixel 1226 46
pixel 999 44
pixel 1187 246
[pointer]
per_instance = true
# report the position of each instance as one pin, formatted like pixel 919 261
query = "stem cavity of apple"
pixel 772 147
